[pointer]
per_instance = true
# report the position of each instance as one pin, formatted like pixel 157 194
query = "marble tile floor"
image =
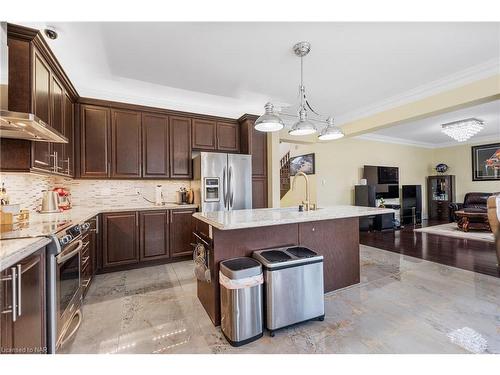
pixel 402 305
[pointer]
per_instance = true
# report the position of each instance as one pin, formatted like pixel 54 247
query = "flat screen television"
pixel 388 175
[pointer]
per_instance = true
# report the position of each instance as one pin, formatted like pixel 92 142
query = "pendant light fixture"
pixel 330 132
pixel 271 121
pixel 268 122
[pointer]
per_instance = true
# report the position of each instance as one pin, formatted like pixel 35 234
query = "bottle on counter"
pixel 4 197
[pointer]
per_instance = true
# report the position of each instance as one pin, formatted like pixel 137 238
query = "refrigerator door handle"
pixel 231 190
pixel 224 189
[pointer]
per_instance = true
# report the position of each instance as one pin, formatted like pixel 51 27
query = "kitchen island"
pixel 331 231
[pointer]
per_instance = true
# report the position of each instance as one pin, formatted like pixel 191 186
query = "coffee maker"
pixel 63 198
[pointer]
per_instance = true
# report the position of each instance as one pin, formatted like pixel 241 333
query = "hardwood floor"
pixel 477 256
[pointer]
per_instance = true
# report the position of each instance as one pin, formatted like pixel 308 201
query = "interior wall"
pixel 459 159
pixel 339 167
pixel 26 189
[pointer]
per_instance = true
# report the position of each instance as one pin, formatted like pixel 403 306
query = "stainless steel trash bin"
pixel 241 282
pixel 293 286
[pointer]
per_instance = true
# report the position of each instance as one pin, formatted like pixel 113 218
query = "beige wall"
pixel 458 158
pixel 339 166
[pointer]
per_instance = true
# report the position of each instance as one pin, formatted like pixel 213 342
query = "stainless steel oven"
pixel 64 291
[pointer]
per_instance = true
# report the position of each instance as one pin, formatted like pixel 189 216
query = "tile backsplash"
pixel 26 189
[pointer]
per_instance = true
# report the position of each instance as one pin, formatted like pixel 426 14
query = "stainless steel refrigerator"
pixel 222 181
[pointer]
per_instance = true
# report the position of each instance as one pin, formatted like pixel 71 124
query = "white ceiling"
pixel 427 132
pixel 232 68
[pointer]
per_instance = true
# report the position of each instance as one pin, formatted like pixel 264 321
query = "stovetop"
pixel 30 229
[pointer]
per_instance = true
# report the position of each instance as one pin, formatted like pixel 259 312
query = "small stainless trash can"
pixel 241 282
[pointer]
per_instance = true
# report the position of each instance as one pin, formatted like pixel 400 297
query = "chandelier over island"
pixel 271 121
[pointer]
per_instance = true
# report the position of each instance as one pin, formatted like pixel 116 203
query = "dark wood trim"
pixel 152 110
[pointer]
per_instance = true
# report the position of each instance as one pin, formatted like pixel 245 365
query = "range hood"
pixel 14 124
pixel 27 126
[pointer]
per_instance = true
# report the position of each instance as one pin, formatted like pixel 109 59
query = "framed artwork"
pixel 303 163
pixel 486 162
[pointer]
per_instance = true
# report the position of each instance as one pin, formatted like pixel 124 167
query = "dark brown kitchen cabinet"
pixel 204 134
pixel 120 239
pixel 254 142
pixel 181 232
pixel 94 139
pixel 180 147
pixel 68 149
pixel 27 333
pixel 41 154
pixel 57 111
pixel 37 84
pixel 259 192
pixel 155 146
pixel 125 144
pixel 228 137
pixel 154 235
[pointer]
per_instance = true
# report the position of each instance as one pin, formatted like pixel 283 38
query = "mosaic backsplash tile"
pixel 26 189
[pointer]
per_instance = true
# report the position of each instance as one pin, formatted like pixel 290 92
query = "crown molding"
pixel 477 72
pixel 427 145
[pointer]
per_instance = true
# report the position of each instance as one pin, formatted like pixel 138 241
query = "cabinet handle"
pixel 19 293
pixel 13 271
pixel 12 278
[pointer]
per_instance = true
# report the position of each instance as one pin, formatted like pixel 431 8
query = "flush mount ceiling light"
pixel 271 121
pixel 464 129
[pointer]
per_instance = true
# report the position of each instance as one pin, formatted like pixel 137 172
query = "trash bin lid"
pixel 301 252
pixel 240 268
pixel 275 256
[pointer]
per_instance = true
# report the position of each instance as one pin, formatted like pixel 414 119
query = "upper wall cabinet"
pixel 208 135
pixel 38 85
pixel 204 134
pixel 155 146
pixel 228 137
pixel 180 147
pixel 125 144
pixel 94 140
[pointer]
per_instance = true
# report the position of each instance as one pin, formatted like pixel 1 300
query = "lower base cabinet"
pixel 133 239
pixel 26 332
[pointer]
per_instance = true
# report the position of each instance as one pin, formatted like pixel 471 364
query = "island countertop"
pixel 262 217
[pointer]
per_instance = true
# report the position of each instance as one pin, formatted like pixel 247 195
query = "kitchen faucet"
pixel 307 202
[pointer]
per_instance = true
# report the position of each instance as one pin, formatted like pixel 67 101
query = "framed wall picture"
pixel 303 163
pixel 486 162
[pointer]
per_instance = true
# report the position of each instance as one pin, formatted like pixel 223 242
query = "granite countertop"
pixel 26 238
pixel 13 251
pixel 239 219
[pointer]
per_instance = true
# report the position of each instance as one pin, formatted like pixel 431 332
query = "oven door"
pixel 68 285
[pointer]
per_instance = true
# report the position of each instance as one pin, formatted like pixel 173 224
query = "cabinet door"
pixel 228 137
pixel 204 134
pixel 68 151
pixel 180 147
pixel 338 241
pixel 259 154
pixel 28 333
pixel 154 241
pixel 94 154
pixel 155 146
pixel 120 239
pixel 259 192
pixel 57 111
pixel 41 151
pixel 125 144
pixel 181 232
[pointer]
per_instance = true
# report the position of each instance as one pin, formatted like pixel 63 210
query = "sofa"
pixel 494 220
pixel 474 203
